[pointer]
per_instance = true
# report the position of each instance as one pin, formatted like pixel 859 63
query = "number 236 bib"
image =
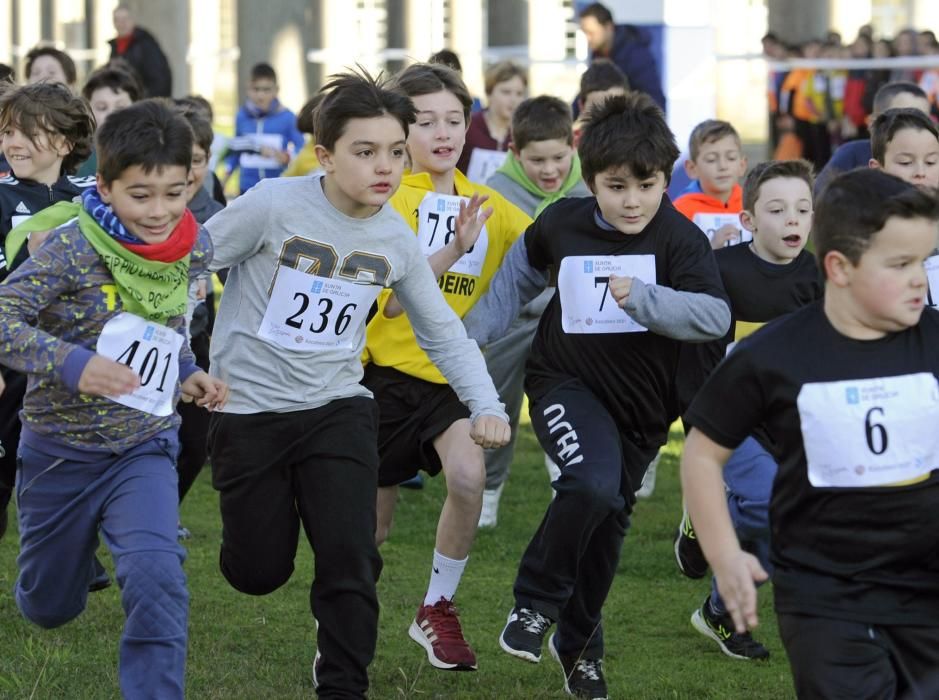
pixel 309 312
pixel 870 432
pixel 584 285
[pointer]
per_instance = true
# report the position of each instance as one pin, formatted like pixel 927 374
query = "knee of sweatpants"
pixel 154 593
pixel 253 577
pixel 47 613
pixel 595 494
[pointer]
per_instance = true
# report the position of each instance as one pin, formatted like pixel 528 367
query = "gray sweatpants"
pixel 505 359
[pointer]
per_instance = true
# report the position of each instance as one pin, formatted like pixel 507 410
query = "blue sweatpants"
pixel 748 476
pixel 132 499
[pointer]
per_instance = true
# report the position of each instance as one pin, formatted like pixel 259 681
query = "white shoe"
pixel 489 514
pixel 648 480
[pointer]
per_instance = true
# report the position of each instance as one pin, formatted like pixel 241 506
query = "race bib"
pixel 256 160
pixel 932 276
pixel 483 163
pixel 584 285
pixel 436 227
pixel 870 432
pixel 308 312
pixel 710 223
pixel 152 351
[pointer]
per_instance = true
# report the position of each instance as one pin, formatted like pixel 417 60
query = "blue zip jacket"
pixel 252 122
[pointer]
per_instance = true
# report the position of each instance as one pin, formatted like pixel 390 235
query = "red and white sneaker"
pixel 437 629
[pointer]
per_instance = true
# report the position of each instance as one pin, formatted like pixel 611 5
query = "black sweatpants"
pixel 568 568
pixel 318 467
pixel 844 660
pixel 11 402
pixel 194 427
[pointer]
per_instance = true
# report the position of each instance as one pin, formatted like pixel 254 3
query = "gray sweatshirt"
pixel 289 221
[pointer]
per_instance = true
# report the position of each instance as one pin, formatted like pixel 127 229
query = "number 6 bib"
pixel 870 432
pixel 152 351
pixel 309 312
pixel 584 284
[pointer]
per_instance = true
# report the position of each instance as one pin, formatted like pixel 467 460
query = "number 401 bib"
pixel 584 285
pixel 870 432
pixel 152 351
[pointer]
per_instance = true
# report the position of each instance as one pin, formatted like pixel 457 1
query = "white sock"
pixel 444 578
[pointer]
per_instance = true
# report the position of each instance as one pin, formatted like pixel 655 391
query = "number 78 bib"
pixel 870 432
pixel 584 285
pixel 436 227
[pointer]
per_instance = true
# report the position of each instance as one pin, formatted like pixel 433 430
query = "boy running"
pixel 635 279
pixel 423 424
pixel 96 319
pixel 847 387
pixel 297 445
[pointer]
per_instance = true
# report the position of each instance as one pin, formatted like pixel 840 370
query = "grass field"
pixel 244 647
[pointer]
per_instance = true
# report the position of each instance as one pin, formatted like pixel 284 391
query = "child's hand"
pixel 105 377
pixel 283 157
pixel 620 288
pixel 470 221
pixel 735 576
pixel 727 232
pixel 209 392
pixel 202 289
pixel 490 431
pixel 2 385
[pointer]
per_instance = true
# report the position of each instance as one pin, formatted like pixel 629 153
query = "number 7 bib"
pixel 870 432
pixel 584 285
pixel 152 351
pixel 309 312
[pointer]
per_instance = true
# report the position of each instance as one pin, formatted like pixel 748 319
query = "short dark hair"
pixel 601 75
pixel 263 71
pixel 113 78
pixel 7 74
pixel 68 65
pixel 150 134
pixel 855 205
pixel 193 113
pixel 358 95
pixel 305 115
pixel 51 108
pixel 427 78
pixel 599 12
pixel 447 58
pixel 201 104
pixel 762 173
pixel 888 123
pixel 628 131
pixel 541 118
pixel 887 92
pixel 501 72
pixel 709 131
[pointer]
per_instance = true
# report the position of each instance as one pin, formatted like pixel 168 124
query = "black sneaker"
pixel 524 634
pixel 720 628
pixel 688 554
pixel 583 678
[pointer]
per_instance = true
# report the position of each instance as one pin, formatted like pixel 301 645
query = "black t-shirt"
pixel 843 547
pixel 759 291
pixel 632 374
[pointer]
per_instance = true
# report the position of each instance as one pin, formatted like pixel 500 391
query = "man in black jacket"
pixel 140 49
